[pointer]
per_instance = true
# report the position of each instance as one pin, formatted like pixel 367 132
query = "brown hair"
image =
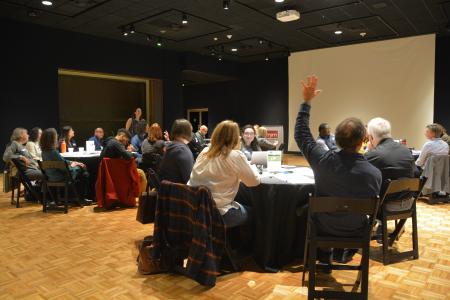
pixel 350 133
pixel 181 128
pixel 435 128
pixel 154 133
pixel 49 139
pixel 225 138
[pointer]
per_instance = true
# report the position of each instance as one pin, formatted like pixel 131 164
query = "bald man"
pixel 98 138
pixel 201 135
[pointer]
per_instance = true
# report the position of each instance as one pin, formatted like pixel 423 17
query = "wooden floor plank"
pixel 90 255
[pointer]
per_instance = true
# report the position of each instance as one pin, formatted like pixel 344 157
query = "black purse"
pixel 147 201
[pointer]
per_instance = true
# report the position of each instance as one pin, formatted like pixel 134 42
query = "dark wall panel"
pixel 33 54
pixel 442 82
pixel 259 95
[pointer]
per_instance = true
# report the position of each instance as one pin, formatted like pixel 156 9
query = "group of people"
pixel 222 164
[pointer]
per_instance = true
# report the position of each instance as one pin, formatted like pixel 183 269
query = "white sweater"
pixel 222 176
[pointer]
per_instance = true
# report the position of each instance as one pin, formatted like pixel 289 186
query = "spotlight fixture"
pixel 229 36
pixel 261 42
pixel 32 13
pixel 362 34
pixel 159 42
pixel 279 1
pixel 220 58
pixel 184 19
pixel 47 2
pixel 124 31
pixel 338 32
pixel 234 49
pixel 149 38
pixel 132 29
pixel 216 38
pixel 226 4
pixel 182 84
pixel 267 58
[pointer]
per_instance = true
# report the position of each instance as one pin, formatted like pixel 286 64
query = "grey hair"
pixel 17 134
pixel 379 128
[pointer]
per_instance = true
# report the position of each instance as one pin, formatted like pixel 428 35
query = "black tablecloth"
pixel 92 164
pixel 279 234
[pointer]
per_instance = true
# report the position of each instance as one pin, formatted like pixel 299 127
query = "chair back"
pixel 360 206
pixel 396 173
pixel 402 185
pixel 19 165
pixel 153 179
pixel 55 165
pixel 437 172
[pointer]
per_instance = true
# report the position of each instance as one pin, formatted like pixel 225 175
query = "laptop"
pixel 259 158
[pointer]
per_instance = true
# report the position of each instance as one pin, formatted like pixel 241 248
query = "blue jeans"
pixel 235 216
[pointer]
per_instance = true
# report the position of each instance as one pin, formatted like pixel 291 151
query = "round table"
pixel 279 208
pixel 92 161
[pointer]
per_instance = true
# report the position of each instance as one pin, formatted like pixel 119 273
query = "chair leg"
pixel 45 190
pixel 305 260
pixel 12 190
pixel 415 233
pixel 385 242
pixel 18 195
pixel 365 271
pixel 312 269
pixel 66 199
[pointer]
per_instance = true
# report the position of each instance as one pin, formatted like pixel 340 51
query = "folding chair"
pixel 401 191
pixel 66 183
pixel 314 240
pixel 22 179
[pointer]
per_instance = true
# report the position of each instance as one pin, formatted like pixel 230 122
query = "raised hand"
pixel 310 88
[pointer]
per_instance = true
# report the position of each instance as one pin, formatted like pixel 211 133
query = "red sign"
pixel 272 134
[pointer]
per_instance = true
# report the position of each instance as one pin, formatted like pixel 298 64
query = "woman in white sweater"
pixel 221 167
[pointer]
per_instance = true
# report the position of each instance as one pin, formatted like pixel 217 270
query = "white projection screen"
pixel 391 79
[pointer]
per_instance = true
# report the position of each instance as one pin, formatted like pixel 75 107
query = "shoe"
pixel 323 268
pixel 86 202
pixel 345 256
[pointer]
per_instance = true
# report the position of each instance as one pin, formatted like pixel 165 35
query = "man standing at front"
pixel 343 173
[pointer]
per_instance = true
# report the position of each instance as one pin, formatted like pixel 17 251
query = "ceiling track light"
pixel 226 4
pixel 124 31
pixel 132 29
pixel 220 58
pixel 159 42
pixel 184 19
pixel 267 58
pixel 279 1
pixel 47 2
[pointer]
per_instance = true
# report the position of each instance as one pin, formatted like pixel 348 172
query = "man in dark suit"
pixel 393 159
pixel 343 173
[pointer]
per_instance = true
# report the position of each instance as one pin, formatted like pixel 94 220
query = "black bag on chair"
pixel 147 206
pixel 147 201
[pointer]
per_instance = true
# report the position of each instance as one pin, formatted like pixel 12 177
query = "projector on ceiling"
pixel 288 15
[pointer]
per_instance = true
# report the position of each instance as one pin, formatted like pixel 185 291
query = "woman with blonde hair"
pixel 263 142
pixel 222 167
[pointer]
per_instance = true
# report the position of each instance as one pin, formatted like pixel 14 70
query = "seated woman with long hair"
pixel 67 135
pixel 222 167
pixel 153 148
pixel 49 143
pixel 249 142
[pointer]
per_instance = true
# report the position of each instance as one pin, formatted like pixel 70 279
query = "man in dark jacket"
pixel 343 173
pixel 393 159
pixel 118 146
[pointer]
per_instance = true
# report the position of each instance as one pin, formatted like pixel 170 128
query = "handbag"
pixel 147 201
pixel 146 263
pixel 147 206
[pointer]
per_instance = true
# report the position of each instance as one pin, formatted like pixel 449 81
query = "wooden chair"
pixel 314 240
pixel 400 191
pixel 66 183
pixel 22 179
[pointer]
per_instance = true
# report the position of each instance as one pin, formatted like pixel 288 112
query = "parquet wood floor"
pixel 89 255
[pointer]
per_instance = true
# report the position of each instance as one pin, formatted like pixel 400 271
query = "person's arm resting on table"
pixel 305 140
